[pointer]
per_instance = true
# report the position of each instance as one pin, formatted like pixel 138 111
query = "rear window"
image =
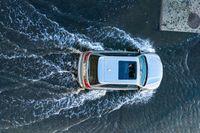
pixel 93 69
pixel 127 70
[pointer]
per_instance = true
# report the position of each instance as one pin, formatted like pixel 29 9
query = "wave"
pixel 92 104
pixel 55 69
pixel 26 20
pixel 115 38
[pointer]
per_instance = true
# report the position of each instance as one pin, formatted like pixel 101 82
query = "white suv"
pixel 119 70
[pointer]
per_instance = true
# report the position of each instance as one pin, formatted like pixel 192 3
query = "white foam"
pixel 120 36
pixel 70 101
pixel 18 56
pixel 139 97
pixel 142 44
pixel 46 30
pixel 67 102
pixel 46 70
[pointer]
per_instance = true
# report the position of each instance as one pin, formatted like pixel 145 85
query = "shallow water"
pixel 40 43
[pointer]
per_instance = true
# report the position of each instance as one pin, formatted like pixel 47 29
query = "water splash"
pixel 116 38
pixel 91 104
pixel 37 110
pixel 39 28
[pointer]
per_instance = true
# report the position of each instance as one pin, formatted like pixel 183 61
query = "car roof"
pixel 108 70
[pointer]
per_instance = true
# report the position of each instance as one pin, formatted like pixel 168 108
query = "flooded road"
pixel 40 43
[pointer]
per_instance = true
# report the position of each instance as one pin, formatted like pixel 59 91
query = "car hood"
pixel 155 71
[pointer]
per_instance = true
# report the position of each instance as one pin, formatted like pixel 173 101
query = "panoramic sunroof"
pixel 127 70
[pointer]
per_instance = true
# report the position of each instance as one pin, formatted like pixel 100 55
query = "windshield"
pixel 143 70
